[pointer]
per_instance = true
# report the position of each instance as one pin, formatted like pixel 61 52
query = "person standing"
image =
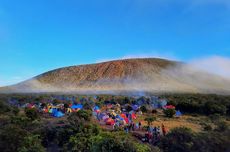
pixel 139 125
pixel 163 130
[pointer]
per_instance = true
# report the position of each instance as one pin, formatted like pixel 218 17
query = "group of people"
pixel 132 127
pixel 154 134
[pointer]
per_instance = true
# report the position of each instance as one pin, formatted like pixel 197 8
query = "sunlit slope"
pixel 132 75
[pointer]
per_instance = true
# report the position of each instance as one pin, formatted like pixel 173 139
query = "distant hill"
pixel 129 75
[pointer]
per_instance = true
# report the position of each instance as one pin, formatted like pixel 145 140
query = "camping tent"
pixel 134 116
pixel 77 106
pixel 169 107
pixel 57 113
pixel 178 113
pixel 135 107
pixel 96 108
pixel 110 121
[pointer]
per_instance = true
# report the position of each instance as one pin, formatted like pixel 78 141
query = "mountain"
pixel 129 75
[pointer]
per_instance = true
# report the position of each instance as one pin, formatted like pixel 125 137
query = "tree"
pixel 222 126
pixel 88 105
pixel 117 142
pixel 32 113
pixel 150 120
pixel 169 112
pixel 31 143
pixel 78 119
pixel 215 108
pixel 179 140
pixel 11 137
pixel 4 108
pixel 144 109
pixel 82 141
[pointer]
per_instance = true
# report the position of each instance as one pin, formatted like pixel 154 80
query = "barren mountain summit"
pixel 132 75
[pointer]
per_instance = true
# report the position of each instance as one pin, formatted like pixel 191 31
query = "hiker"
pixel 139 125
pixel 126 129
pixel 130 126
pixel 163 130
pixel 133 127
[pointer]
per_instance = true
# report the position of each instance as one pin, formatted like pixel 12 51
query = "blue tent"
pixel 96 108
pixel 178 113
pixel 57 113
pixel 77 106
pixel 135 107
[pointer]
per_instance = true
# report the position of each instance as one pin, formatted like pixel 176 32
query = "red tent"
pixel 134 116
pixel 110 121
pixel 123 116
pixel 169 107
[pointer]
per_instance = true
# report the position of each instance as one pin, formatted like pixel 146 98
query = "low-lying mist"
pixel 210 75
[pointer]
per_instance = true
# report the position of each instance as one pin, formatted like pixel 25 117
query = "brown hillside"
pixel 132 75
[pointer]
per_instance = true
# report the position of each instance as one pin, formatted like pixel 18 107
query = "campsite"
pixel 84 122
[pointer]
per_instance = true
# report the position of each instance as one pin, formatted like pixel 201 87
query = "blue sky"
pixel 41 35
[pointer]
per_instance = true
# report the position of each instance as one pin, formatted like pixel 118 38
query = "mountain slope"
pixel 132 75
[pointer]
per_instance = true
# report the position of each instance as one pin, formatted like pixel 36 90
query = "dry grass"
pixel 170 123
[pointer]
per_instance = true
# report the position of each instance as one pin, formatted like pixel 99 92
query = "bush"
pixel 31 143
pixel 32 113
pixel 215 108
pixel 150 120
pixel 82 141
pixel 222 126
pixel 207 127
pixel 4 108
pixel 117 142
pixel 179 140
pixel 144 109
pixel 154 111
pixel 169 112
pixel 215 117
pixel 11 138
pixel 78 119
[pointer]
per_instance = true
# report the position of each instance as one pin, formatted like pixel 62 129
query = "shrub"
pixel 215 108
pixel 32 113
pixel 4 108
pixel 117 142
pixel 154 111
pixel 144 109
pixel 169 112
pixel 179 139
pixel 31 143
pixel 78 119
pixel 222 126
pixel 150 120
pixel 207 127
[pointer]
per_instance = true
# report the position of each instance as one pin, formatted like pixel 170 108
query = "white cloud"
pixel 218 65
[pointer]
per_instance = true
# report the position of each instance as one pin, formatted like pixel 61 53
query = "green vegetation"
pixel 169 112
pixel 150 120
pixel 25 130
pixel 183 139
pixel 32 113
pixel 201 104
